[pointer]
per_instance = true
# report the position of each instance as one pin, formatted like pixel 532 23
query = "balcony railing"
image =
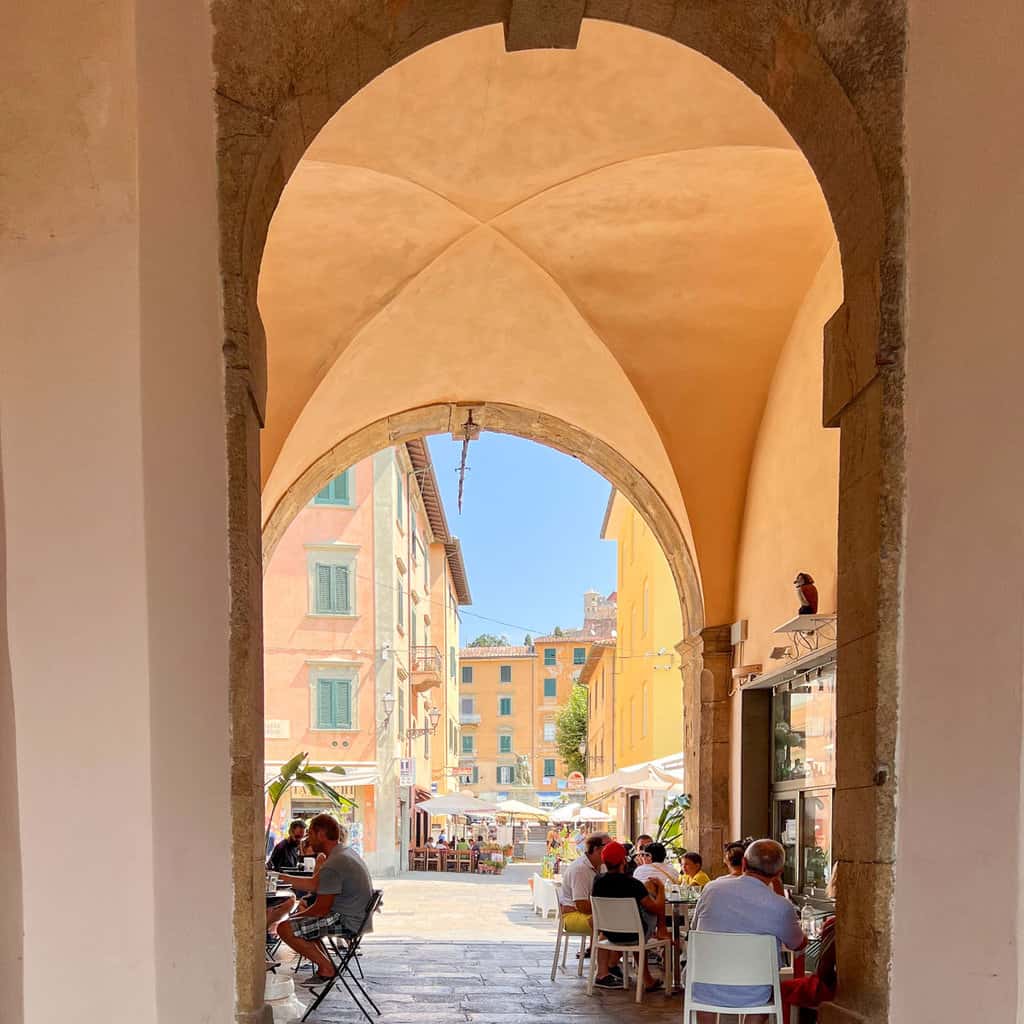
pixel 469 718
pixel 427 666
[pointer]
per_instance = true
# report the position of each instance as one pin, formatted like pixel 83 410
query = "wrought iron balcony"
pixel 427 667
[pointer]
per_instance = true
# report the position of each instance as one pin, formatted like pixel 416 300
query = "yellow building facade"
pixel 636 695
pixel 496 716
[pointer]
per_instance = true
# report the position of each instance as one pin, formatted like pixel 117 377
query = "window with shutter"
pixel 467 705
pixel 549 767
pixel 467 673
pixel 451 662
pixel 476 774
pixel 549 656
pixel 333 589
pixel 400 494
pixel 549 732
pixel 333 704
pixel 505 706
pixel 401 604
pixel 337 492
pixel 550 687
pixel 342 592
pixel 504 744
pixel 579 655
pixel 467 744
pixel 505 674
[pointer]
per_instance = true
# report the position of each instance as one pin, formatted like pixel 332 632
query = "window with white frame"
pixel 506 774
pixel 332 579
pixel 549 732
pixel 332 697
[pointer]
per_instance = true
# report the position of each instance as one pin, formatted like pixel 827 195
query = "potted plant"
pixel 299 772
pixel 670 825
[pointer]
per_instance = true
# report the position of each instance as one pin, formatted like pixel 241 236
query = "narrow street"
pixel 468 948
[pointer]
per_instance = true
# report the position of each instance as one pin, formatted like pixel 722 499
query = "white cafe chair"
pixel 621 915
pixel 537 880
pixel 562 940
pixel 548 901
pixel 716 958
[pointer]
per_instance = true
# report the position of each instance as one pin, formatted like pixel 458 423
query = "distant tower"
pixel 599 613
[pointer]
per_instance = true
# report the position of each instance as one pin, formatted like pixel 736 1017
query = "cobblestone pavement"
pixel 453 950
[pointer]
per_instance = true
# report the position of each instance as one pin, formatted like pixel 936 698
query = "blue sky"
pixel 530 531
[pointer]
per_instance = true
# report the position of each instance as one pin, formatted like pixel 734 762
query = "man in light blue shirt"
pixel 748 903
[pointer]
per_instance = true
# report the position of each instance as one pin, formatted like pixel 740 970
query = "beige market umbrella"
pixel 518 809
pixel 577 812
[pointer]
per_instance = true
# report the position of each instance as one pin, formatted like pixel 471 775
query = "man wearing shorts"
pixel 343 890
pixel 616 884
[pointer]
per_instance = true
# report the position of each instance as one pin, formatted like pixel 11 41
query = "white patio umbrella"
pixel 517 809
pixel 456 803
pixel 577 812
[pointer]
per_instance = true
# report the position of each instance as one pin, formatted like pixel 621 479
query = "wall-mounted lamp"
pixel 433 716
pixel 388 700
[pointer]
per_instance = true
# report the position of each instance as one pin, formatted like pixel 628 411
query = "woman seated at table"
pixel 655 867
pixel 693 872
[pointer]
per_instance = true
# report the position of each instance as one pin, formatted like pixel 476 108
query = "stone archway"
pixel 504 419
pixel 833 76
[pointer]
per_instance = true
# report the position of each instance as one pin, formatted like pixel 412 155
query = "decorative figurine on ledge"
pixel 807 592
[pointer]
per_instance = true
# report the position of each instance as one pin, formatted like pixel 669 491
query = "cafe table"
pixel 677 910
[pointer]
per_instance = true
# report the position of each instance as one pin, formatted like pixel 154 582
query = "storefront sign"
pixel 407 772
pixel 576 783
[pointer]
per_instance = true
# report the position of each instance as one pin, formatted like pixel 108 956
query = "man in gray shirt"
pixel 748 903
pixel 343 890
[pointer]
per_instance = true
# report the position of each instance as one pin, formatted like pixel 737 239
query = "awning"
pixel 658 776
pixel 790 670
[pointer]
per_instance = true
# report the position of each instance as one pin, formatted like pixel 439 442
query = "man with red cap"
pixel 616 884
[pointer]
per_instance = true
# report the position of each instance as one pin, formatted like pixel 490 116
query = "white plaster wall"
pixel 111 412
pixel 956 947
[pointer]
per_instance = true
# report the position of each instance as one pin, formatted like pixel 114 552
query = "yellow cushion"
pixel 576 923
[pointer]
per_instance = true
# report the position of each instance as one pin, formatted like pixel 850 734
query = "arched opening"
pixel 678 459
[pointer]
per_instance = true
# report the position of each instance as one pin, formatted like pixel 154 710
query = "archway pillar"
pixel 706 664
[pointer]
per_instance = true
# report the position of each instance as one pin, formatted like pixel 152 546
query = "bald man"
pixel 747 903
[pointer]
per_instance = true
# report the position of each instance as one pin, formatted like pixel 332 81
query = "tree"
pixel 557 631
pixel 571 729
pixel 299 772
pixel 490 640
pixel 527 640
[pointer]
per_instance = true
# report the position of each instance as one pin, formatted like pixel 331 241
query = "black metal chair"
pixel 342 957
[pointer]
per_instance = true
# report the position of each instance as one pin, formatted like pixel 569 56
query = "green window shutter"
pixel 401 604
pixel 342 703
pixel 323 588
pixel 451 662
pixel 505 706
pixel 550 687
pixel 549 767
pixel 506 673
pixel 467 744
pixel 579 655
pixel 342 592
pixel 324 704
pixel 467 673
pixel 343 488
pixel 549 656
pixel 399 490
pixel 504 744
pixel 476 774
pixel 323 497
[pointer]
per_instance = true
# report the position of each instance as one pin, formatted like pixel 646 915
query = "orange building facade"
pixel 361 601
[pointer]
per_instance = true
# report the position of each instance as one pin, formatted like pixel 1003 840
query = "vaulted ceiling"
pixel 618 235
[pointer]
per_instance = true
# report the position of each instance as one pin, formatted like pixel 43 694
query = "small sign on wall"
pixel 277 729
pixel 407 772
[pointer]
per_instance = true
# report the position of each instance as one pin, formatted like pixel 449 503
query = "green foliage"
pixel 670 824
pixel 527 640
pixel 571 729
pixel 299 772
pixel 557 631
pixel 490 640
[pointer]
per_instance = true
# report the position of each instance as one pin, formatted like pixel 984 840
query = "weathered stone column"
pixel 706 667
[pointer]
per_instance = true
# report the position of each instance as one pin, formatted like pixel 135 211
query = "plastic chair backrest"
pixel 616 915
pixel 726 958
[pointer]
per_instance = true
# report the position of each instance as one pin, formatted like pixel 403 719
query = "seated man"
pixel 287 854
pixel 617 885
pixel 656 869
pixel 747 904
pixel 577 882
pixel 343 891
pixel 693 870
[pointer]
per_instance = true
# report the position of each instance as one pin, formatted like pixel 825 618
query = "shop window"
pixel 803 718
